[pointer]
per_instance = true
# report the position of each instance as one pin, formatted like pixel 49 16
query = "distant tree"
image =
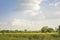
pixel 7 31
pixel 16 30
pixel 2 31
pixel 59 29
pixel 44 29
pixel 56 29
pixel 50 30
pixel 25 30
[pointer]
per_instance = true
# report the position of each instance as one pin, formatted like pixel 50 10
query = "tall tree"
pixel 59 29
pixel 44 29
pixel 50 30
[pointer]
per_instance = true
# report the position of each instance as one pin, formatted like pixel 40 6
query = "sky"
pixel 29 14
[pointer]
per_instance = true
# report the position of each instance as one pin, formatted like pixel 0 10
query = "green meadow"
pixel 29 36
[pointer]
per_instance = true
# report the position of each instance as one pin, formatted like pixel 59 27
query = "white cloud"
pixel 52 14
pixel 30 12
pixel 54 4
pixel 57 13
pixel 51 4
pixel 57 4
pixel 31 7
pixel 21 24
pixel 25 24
pixel 28 9
pixel 52 11
pixel 34 25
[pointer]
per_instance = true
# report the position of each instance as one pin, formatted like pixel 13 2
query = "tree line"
pixel 44 29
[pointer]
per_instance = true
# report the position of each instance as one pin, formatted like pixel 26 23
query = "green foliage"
pixel 59 29
pixel 44 29
pixel 25 30
pixel 50 30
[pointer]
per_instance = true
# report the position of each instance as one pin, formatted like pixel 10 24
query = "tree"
pixel 59 29
pixel 50 30
pixel 56 29
pixel 44 29
pixel 25 30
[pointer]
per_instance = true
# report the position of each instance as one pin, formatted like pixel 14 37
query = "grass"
pixel 29 36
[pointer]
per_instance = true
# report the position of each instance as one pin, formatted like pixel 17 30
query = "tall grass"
pixel 29 37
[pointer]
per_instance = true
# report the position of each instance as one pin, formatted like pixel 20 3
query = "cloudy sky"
pixel 29 14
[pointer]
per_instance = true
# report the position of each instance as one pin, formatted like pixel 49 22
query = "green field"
pixel 29 36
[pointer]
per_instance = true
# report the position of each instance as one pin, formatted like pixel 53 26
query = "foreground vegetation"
pixel 29 36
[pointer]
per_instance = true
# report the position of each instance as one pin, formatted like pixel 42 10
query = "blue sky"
pixel 6 6
pixel 30 13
